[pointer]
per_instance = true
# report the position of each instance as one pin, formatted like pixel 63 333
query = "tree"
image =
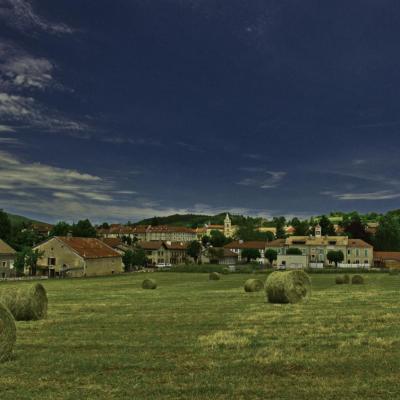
pixel 387 237
pixel 301 228
pixel 105 225
pixel 218 239
pixel 271 255
pixel 83 229
pixel 194 249
pixel 205 240
pixel 251 254
pixel 5 226
pixel 60 229
pixel 31 259
pixel 326 225
pixel 280 223
pixel 134 258
pixel 335 256
pixel 354 227
pixel 248 232
pixel 19 261
pixel 294 251
pixel 215 254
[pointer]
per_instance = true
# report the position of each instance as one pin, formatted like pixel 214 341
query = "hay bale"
pixel 8 333
pixel 346 278
pixel 149 284
pixel 214 276
pixel 226 271
pixel 26 303
pixel 357 280
pixel 253 285
pixel 288 286
pixel 339 280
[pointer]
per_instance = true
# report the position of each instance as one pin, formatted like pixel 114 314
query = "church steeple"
pixel 227 226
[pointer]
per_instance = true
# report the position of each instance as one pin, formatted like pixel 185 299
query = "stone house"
pixel 7 254
pixel 167 252
pixel 77 257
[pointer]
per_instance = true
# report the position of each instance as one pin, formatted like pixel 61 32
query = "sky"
pixel 125 110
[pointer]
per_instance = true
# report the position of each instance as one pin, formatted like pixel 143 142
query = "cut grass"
pixel 106 338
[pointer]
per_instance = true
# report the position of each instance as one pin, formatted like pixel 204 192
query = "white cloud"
pixel 20 15
pixel 379 195
pixel 267 180
pixel 5 128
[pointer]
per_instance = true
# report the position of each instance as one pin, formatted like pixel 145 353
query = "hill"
pixel 18 219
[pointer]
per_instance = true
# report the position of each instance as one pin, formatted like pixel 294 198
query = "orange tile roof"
pixel 246 245
pixel 112 242
pixel 387 255
pixel 89 247
pixel 358 243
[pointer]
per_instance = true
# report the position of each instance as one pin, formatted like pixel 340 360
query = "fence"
pixel 316 265
pixel 366 266
pixel 24 278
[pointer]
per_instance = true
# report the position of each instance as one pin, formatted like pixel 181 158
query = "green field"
pixel 191 338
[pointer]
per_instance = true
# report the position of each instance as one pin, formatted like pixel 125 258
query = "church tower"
pixel 318 231
pixel 227 226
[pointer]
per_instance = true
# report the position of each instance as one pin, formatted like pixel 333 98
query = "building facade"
pixel 160 252
pixel 7 255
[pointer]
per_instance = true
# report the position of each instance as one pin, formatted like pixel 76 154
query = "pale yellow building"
pixel 7 254
pixel 77 257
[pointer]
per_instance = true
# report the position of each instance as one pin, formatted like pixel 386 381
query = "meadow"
pixel 107 338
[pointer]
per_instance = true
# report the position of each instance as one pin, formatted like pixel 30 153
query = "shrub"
pixel 207 268
pixel 394 271
pixel 339 280
pixel 288 286
pixel 149 284
pixel 253 285
pixel 25 303
pixel 357 280
pixel 214 276
pixel 8 334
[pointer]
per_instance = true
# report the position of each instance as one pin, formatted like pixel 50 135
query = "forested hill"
pixel 195 220
pixel 18 219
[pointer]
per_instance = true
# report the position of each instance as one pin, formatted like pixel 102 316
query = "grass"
pixel 106 338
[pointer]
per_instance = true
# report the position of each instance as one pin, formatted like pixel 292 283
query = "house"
pixel 117 244
pixel 238 246
pixel 77 257
pixel 292 261
pixel 158 251
pixel 387 259
pixel 7 254
pixel 220 255
pixel 227 229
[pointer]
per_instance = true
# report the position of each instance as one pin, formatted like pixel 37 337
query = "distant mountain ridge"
pixel 18 219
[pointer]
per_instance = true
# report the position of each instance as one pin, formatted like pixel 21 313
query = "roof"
pixel 5 248
pixel 387 255
pixel 157 244
pixel 239 244
pixel 230 253
pixel 359 243
pixel 89 247
pixel 317 240
pixel 127 230
pixel 112 242
pixel 276 243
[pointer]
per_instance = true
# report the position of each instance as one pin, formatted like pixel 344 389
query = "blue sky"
pixel 123 110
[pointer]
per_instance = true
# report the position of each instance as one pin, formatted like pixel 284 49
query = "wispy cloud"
pixel 267 180
pixel 20 15
pixel 373 196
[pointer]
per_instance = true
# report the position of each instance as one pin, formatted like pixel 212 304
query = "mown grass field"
pixel 191 338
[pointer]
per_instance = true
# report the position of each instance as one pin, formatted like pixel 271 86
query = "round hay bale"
pixel 357 280
pixel 288 286
pixel 346 278
pixel 253 285
pixel 8 333
pixel 214 276
pixel 226 271
pixel 339 280
pixel 26 303
pixel 149 284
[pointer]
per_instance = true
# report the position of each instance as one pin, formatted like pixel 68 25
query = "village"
pixel 118 248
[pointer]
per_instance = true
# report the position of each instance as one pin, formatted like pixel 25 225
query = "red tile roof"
pixel 89 247
pixel 358 243
pixel 112 242
pixel 387 255
pixel 238 244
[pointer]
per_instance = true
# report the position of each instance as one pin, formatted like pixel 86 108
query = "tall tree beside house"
pixel 5 226
pixel 215 254
pixel 301 228
pixel 205 240
pixel 280 223
pixel 251 254
pixel 60 229
pixel 19 261
pixel 326 225
pixel 271 255
pixel 194 250
pixel 387 237
pixel 355 228
pixel 83 229
pixel 23 236
pixel 31 260
pixel 134 258
pixel 217 238
pixel 335 256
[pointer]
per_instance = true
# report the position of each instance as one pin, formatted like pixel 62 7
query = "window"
pixel 366 253
pixel 4 263
pixel 51 261
pixel 348 251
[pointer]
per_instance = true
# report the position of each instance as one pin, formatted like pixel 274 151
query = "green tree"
pixel 335 256
pixel 31 260
pixel 19 262
pixel 387 237
pixel 248 232
pixel 271 255
pixel 326 225
pixel 251 254
pixel 215 254
pixel 5 227
pixel 83 229
pixel 294 251
pixel 194 250
pixel 205 240
pixel 280 223
pixel 60 229
pixel 301 228
pixel 134 258
pixel 217 238
pixel 354 227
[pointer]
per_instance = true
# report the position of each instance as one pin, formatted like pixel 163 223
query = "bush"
pixel 357 280
pixel 394 271
pixel 288 286
pixel 339 280
pixel 206 268
pixel 149 284
pixel 253 285
pixel 25 303
pixel 8 333
pixel 214 276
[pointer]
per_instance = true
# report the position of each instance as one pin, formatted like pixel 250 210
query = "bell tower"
pixel 318 231
pixel 227 226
